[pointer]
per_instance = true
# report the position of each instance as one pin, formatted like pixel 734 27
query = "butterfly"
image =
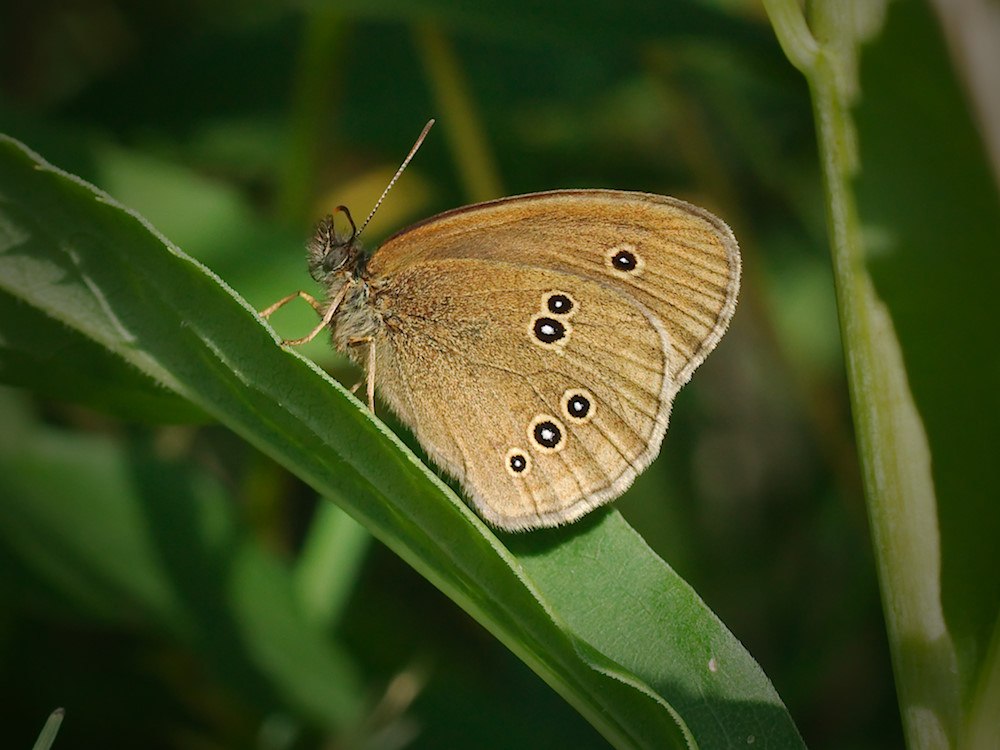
pixel 533 344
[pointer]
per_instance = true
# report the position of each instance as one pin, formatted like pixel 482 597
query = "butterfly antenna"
pixel 409 156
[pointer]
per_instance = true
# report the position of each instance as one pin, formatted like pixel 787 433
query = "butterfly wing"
pixel 531 359
pixel 686 261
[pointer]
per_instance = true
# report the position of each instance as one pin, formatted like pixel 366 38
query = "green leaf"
pixel 663 673
pixel 615 592
pixel 37 351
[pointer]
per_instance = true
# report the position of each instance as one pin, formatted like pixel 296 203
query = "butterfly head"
pixel 334 255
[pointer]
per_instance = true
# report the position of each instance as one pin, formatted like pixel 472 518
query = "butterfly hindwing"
pixel 543 391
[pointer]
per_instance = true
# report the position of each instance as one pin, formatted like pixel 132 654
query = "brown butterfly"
pixel 533 344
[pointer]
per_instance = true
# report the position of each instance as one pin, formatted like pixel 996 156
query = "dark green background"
pixel 233 126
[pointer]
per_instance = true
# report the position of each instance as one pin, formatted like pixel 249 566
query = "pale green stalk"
pixel 892 442
pixel 48 734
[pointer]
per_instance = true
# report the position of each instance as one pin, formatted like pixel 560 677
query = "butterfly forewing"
pixel 677 260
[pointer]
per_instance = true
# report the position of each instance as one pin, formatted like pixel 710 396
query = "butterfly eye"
pixel 559 303
pixel 334 259
pixel 329 252
pixel 547 433
pixel 578 405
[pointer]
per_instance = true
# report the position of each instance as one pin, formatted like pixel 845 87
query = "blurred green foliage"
pixel 232 127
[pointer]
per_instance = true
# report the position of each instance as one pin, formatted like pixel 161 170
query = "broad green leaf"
pixel 663 673
pixel 628 603
pixel 58 362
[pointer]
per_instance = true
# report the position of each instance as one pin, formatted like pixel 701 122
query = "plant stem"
pixel 892 442
pixel 473 158
pixel 316 87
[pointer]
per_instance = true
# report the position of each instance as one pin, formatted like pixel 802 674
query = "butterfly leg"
pixel 371 374
pixel 317 306
pixel 331 310
pixel 370 379
pixel 354 389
